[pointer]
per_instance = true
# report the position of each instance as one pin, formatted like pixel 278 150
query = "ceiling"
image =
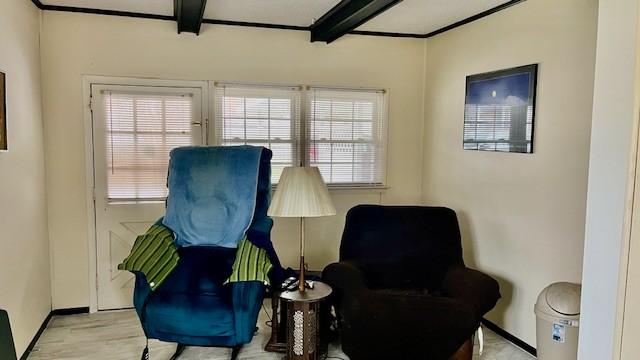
pixel 409 16
pixel 284 12
pixel 425 16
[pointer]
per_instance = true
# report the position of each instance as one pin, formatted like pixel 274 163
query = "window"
pixel 141 130
pixel 346 131
pixel 342 132
pixel 260 116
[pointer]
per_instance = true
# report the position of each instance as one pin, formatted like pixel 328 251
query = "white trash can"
pixel 558 320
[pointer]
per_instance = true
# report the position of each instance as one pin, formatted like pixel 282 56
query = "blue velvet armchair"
pixel 193 306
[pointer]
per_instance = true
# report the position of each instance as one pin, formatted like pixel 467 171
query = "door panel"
pixel 134 128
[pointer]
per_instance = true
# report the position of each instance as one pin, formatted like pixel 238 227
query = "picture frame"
pixel 3 113
pixel 499 110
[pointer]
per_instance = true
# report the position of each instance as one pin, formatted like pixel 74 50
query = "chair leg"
pixel 178 352
pixel 465 352
pixel 145 352
pixel 235 352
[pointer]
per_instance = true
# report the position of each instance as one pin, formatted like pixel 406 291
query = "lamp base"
pixel 301 282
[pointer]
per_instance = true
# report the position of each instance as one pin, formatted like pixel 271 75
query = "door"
pixel 134 129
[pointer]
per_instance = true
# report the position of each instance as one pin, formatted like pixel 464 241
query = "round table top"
pixel 320 291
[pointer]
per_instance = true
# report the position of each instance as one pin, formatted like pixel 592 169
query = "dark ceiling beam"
pixel 346 16
pixel 189 14
pixel 38 4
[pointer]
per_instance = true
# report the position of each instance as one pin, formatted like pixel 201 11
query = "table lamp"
pixel 301 193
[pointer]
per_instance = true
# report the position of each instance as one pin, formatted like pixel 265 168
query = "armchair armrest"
pixel 349 288
pixel 141 293
pixel 344 276
pixel 247 297
pixel 475 288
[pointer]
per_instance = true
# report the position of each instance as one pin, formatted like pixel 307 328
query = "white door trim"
pixel 87 82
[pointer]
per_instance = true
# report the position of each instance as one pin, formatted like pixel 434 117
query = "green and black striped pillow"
pixel 251 264
pixel 154 254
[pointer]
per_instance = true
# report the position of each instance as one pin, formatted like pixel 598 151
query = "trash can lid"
pixel 564 298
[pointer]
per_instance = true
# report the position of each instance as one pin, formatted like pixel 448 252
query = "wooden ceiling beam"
pixel 189 15
pixel 346 16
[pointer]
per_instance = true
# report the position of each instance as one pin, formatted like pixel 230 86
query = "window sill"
pixel 356 187
pixel 332 188
pixel 135 201
pixel 340 188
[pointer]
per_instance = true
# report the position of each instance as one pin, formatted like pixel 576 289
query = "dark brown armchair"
pixel 401 288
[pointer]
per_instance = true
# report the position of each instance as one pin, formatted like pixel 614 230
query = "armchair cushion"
pixel 200 270
pixel 251 264
pixel 194 306
pixel 154 254
pixel 179 313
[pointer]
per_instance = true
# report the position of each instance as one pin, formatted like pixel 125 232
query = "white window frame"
pixel 200 121
pixel 383 111
pixel 303 140
pixel 295 116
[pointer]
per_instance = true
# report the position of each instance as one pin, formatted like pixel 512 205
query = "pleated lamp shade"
pixel 301 192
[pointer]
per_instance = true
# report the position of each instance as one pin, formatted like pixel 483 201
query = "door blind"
pixel 346 135
pixel 141 131
pixel 260 116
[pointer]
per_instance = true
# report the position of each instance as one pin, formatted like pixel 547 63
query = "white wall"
pixel 522 216
pixel 76 44
pixel 630 298
pixel 613 143
pixel 25 287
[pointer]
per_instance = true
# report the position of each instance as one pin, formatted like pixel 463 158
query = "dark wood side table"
pixel 303 321
pixel 278 340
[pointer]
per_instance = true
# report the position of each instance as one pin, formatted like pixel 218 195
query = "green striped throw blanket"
pixel 251 264
pixel 154 254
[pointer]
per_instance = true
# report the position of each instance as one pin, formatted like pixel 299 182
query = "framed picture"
pixel 499 113
pixel 3 112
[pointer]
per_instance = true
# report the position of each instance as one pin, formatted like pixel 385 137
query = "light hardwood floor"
pixel 117 335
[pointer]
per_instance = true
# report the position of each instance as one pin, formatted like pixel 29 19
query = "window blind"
pixel 141 131
pixel 260 116
pixel 346 132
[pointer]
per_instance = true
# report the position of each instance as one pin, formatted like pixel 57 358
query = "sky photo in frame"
pixel 499 110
